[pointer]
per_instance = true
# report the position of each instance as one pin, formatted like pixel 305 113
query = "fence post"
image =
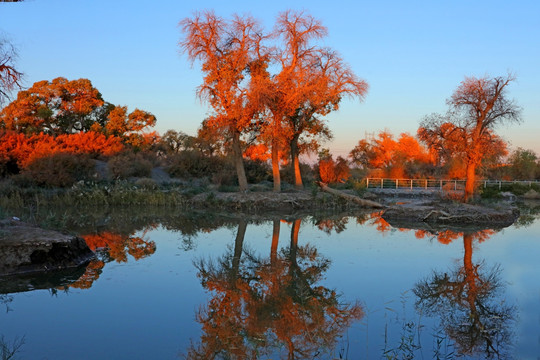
pixel 441 185
pixel 500 184
pixel 426 184
pixel 411 184
pixel 382 183
pixel 455 185
pixel 397 183
pixel 367 183
pixel 485 184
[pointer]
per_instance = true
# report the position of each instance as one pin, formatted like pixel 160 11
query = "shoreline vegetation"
pixel 413 206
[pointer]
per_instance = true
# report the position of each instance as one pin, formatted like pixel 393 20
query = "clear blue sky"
pixel 413 54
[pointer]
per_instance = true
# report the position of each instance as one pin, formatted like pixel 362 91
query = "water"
pixel 184 285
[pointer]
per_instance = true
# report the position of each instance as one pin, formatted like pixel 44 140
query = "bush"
pixel 146 183
pixel 60 169
pixel 490 192
pixel 193 164
pixel 129 165
pixel 257 171
pixel 287 174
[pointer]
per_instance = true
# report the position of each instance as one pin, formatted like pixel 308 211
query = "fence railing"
pixel 433 184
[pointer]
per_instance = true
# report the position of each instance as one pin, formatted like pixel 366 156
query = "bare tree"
pixel 10 77
pixel 477 106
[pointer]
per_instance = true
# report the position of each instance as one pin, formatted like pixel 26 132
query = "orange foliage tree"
pixel 333 171
pixel 394 158
pixel 226 50
pixel 55 107
pixel 310 83
pixel 282 109
pixel 477 106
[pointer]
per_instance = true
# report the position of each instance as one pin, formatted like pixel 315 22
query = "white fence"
pixel 433 184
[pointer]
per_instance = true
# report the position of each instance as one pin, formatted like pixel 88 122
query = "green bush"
pixel 60 169
pixel 490 192
pixel 128 165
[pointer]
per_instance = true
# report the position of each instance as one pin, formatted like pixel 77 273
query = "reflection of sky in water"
pixel 146 308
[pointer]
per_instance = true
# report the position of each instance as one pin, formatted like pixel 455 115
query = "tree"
pixel 64 106
pixel 328 81
pixel 477 106
pixel 310 83
pixel 226 50
pixel 55 107
pixel 524 164
pixel 391 157
pixel 10 77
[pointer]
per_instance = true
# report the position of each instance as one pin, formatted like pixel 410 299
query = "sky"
pixel 413 54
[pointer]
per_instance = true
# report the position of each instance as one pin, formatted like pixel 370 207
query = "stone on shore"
pixel 26 249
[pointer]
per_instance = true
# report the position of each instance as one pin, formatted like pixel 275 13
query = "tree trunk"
pixel 238 247
pixel 470 274
pixel 471 178
pixel 296 163
pixel 294 240
pixel 239 162
pixel 356 199
pixel 275 165
pixel 275 241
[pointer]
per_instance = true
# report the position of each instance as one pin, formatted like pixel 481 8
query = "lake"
pixel 170 284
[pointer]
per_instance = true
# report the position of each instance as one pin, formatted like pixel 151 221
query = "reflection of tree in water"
pixel 469 303
pixel 262 305
pixel 110 246
pixel 338 222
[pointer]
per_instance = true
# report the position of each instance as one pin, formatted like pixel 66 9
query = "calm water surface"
pixel 170 285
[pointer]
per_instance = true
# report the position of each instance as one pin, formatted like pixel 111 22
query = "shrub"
pixel 192 163
pixel 287 173
pixel 129 165
pixel 146 183
pixel 226 176
pixel 60 169
pixel 257 171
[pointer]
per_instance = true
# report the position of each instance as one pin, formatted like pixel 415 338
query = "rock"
pixel 28 249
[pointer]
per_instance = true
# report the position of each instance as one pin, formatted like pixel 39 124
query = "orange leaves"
pixel 396 159
pixel 121 124
pixel 24 149
pixel 90 142
pixel 62 106
pixel 257 152
pixel 57 106
pixel 331 171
